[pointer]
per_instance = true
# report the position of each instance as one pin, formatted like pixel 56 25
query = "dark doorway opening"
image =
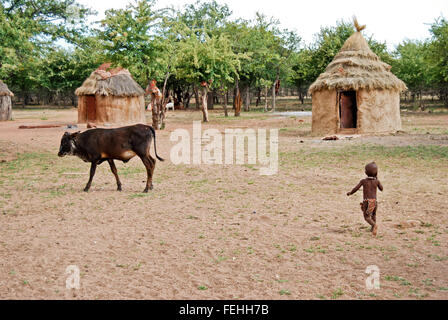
pixel 91 108
pixel 348 109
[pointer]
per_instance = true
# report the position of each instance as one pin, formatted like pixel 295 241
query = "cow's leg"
pixel 149 163
pixel 114 171
pixel 92 173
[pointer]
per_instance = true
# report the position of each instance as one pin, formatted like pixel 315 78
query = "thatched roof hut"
pixel 357 91
pixel 5 102
pixel 110 96
pixel 4 91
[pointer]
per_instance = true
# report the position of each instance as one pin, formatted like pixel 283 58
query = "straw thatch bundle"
pixel 357 93
pixel 120 84
pixel 4 91
pixel 5 102
pixel 110 96
pixel 357 67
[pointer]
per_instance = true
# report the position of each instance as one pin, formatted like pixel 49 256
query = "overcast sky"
pixel 387 20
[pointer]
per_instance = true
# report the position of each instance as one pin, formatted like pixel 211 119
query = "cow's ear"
pixel 75 134
pixel 66 134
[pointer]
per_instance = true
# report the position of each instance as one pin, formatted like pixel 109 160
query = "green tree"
pixel 311 61
pixel 328 43
pixel 209 62
pixel 27 27
pixel 205 18
pixel 438 57
pixel 131 39
pixel 411 65
pixel 267 52
pixel 302 73
pixel 138 38
pixel 62 70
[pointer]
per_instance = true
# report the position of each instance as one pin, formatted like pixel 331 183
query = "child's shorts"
pixel 369 206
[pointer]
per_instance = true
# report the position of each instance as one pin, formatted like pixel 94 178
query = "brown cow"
pixel 99 145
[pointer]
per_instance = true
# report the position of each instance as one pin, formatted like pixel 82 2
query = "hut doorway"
pixel 348 109
pixel 90 108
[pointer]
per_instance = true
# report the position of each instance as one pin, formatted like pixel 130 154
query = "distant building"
pixel 110 96
pixel 357 93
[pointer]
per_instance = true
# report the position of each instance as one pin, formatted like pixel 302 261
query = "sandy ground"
pixel 225 231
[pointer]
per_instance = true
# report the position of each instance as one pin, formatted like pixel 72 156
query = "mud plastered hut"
pixel 110 96
pixel 5 102
pixel 357 93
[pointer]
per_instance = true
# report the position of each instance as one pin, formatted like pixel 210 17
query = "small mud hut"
pixel 110 96
pixel 357 93
pixel 5 102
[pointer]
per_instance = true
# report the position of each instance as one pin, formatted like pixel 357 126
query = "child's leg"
pixel 375 227
pixel 374 215
pixel 367 216
pixel 369 219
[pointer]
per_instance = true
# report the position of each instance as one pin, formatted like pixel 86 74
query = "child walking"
pixel 369 186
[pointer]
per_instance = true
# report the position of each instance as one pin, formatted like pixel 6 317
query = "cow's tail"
pixel 155 148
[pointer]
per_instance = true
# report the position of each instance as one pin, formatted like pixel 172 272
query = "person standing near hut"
pixel 5 102
pixel 155 94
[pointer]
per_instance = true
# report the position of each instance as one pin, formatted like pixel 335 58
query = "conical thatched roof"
pixel 4 91
pixel 357 67
pixel 117 82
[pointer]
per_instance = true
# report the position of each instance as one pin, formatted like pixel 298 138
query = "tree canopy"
pixel 49 46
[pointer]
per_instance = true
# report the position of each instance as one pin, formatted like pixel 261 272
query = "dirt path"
pixel 224 231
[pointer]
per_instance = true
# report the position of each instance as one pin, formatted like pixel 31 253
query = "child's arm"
pixel 355 188
pixel 380 186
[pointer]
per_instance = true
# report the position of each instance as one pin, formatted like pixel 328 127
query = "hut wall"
pixel 113 110
pixel 5 108
pixel 82 112
pixel 378 111
pixel 120 110
pixel 325 117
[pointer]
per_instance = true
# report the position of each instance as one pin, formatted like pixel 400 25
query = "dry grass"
pixel 196 234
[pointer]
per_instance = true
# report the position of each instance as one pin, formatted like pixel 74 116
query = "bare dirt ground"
pixel 225 231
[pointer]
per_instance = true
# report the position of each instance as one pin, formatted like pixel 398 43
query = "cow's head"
pixel 67 146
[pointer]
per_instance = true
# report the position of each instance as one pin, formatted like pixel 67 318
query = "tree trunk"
pixel 274 87
pixel 225 97
pixel 204 103
pixel 25 99
pixel 258 97
pixel 5 108
pixel 237 99
pixel 196 97
pixel 162 104
pixel 266 99
pixel 186 99
pixel 234 97
pixel 247 98
pixel 210 100
pixel 46 98
pixel 179 98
